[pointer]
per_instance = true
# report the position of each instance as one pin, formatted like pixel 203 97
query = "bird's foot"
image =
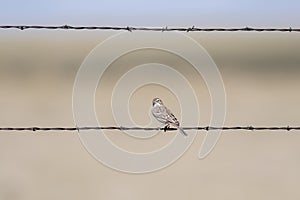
pixel 166 127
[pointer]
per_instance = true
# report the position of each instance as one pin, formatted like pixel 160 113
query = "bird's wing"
pixel 171 118
pixel 164 115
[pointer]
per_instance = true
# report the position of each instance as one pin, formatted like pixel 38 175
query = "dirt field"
pixel 261 78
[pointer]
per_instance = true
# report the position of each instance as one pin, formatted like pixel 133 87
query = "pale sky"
pixel 206 13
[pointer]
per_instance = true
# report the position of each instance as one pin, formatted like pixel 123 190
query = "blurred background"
pixel 260 73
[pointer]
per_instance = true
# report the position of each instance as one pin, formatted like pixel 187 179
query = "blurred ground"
pixel 261 77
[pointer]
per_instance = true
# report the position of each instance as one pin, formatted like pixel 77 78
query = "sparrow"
pixel 164 115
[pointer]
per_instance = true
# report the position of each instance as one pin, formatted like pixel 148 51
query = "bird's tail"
pixel 182 131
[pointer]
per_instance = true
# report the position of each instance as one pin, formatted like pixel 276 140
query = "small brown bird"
pixel 164 115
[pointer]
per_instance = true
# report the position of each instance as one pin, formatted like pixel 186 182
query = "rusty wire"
pixel 120 128
pixel 162 29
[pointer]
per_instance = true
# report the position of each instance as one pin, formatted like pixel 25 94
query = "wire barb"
pixel 121 128
pixel 162 29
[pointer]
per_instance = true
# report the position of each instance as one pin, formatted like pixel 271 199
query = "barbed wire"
pixel 162 29
pixel 120 128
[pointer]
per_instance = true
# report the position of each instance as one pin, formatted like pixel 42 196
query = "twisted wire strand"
pixel 204 128
pixel 162 29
